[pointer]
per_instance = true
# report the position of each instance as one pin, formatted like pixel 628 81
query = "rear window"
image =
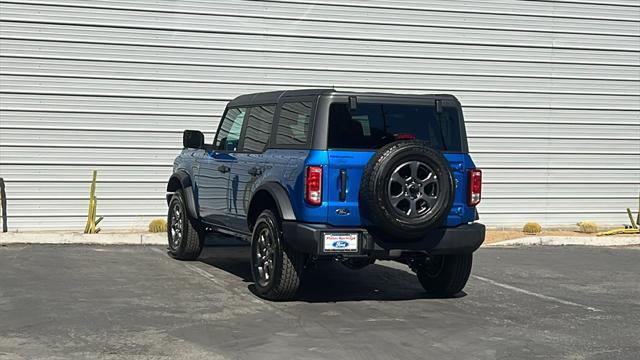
pixel 372 126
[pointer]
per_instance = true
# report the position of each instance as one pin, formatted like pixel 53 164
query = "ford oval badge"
pixel 340 244
pixel 342 212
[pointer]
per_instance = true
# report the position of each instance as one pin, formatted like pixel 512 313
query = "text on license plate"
pixel 341 242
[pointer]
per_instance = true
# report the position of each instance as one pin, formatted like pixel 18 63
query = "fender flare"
pixel 185 183
pixel 279 194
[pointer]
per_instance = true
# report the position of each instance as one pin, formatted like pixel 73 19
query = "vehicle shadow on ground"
pixel 329 281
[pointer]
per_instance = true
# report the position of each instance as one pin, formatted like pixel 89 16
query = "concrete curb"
pixel 570 240
pixel 161 239
pixel 80 238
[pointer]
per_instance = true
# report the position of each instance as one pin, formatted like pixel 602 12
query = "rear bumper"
pixel 462 239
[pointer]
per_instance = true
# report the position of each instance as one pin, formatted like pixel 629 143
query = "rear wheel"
pixel 445 275
pixel 185 235
pixel 275 266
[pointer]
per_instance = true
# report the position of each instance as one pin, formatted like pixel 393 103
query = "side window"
pixel 229 133
pixel 258 128
pixel 450 125
pixel 293 123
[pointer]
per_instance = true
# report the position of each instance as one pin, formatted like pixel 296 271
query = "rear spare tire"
pixel 407 189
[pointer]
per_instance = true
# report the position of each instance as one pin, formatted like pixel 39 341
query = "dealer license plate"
pixel 340 242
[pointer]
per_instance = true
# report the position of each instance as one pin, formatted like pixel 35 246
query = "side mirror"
pixel 192 139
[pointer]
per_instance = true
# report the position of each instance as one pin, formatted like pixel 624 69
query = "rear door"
pixel 249 164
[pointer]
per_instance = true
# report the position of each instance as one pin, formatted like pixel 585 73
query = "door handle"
pixel 255 171
pixel 343 185
pixel 223 168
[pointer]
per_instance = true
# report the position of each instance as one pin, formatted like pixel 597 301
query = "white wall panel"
pixel 551 93
pixel 104 60
pixel 176 39
pixel 307 28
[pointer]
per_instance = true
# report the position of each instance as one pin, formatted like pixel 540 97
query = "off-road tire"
pixel 450 278
pixel 374 198
pixel 287 265
pixel 190 245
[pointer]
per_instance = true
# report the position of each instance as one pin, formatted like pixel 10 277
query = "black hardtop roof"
pixel 273 97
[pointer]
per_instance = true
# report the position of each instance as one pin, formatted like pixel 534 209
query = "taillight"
pixel 313 185
pixel 475 187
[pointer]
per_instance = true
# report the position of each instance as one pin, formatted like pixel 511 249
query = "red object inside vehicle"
pixel 404 136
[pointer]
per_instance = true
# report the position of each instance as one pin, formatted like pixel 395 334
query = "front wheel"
pixel 276 267
pixel 445 275
pixel 185 235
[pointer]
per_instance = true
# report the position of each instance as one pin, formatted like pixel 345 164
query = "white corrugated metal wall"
pixel 551 93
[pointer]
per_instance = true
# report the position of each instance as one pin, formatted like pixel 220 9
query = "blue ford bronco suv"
pixel 320 174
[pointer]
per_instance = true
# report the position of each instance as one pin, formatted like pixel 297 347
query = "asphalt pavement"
pixel 134 302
